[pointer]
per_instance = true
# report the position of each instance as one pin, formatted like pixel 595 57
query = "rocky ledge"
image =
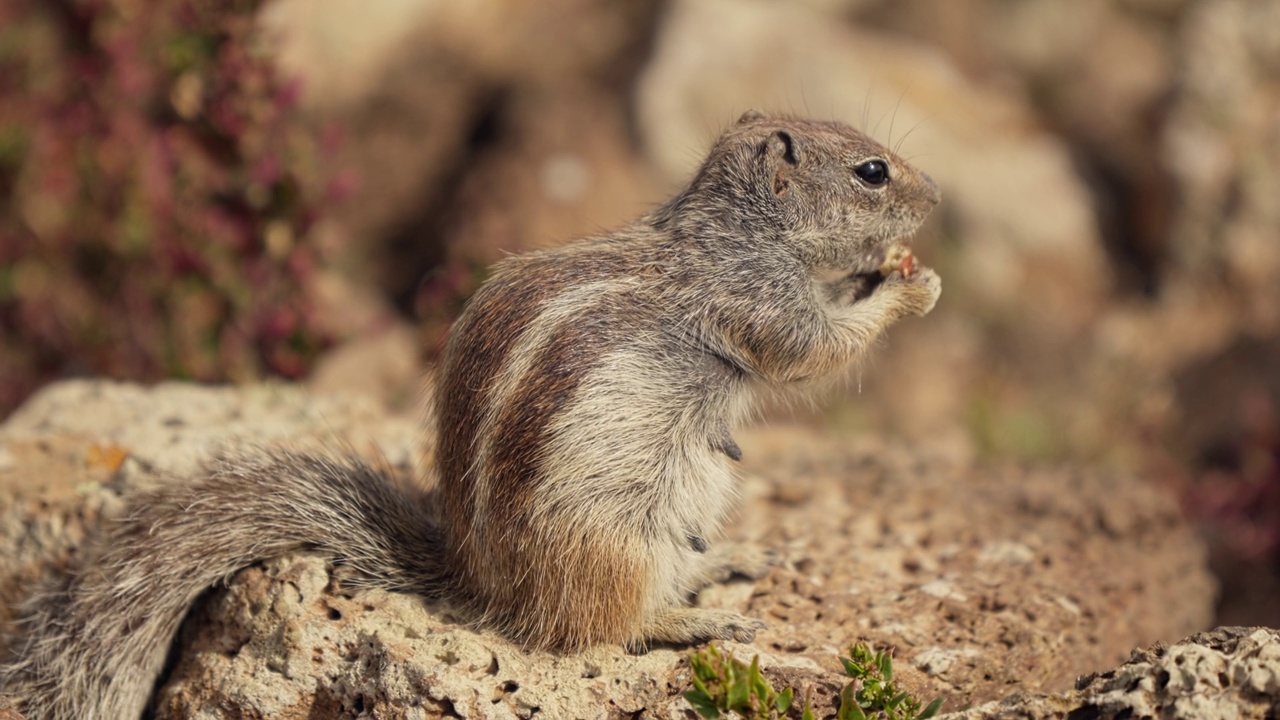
pixel 996 584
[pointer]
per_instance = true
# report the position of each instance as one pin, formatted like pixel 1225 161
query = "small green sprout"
pixel 873 694
pixel 726 687
pixel 723 685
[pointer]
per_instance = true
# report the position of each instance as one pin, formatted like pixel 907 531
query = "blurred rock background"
pixel 229 191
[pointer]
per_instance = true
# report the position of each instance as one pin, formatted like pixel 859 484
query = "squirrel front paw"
pixel 916 294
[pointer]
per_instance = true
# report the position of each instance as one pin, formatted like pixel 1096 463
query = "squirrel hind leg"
pixel 685 625
pixel 593 591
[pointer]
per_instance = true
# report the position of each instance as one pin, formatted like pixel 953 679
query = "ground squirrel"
pixel 585 407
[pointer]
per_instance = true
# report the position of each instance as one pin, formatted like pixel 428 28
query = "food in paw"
pixel 898 259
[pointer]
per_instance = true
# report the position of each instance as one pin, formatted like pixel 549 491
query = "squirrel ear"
pixel 751 116
pixel 781 144
pixel 783 157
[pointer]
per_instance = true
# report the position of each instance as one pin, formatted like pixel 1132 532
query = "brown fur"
pixel 585 410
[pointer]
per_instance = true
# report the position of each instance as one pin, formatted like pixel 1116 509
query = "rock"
pixel 470 130
pixel 385 365
pixel 77 447
pixel 386 653
pixel 987 579
pixel 1227 673
pixel 1184 165
pixel 1221 142
pixel 1068 60
pixel 173 426
pixel 982 600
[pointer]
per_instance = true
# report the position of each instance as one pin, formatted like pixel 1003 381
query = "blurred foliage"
pixel 156 201
pixel 441 295
pixel 1238 493
pixel 1224 457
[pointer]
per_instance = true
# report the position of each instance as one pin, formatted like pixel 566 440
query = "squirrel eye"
pixel 873 172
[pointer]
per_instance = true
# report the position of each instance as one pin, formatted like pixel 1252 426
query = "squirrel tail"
pixel 96 643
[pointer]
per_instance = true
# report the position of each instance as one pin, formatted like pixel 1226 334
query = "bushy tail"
pixel 96 643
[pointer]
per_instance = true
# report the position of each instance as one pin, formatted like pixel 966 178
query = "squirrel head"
pixel 829 193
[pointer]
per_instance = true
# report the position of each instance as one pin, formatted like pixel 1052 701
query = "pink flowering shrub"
pixel 156 201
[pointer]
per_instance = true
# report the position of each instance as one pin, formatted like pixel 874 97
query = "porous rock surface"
pixel 1230 672
pixel 987 579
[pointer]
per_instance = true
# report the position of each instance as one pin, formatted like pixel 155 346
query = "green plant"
pixel 723 685
pixel 873 693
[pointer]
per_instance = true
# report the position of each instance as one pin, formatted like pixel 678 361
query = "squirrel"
pixel 584 413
